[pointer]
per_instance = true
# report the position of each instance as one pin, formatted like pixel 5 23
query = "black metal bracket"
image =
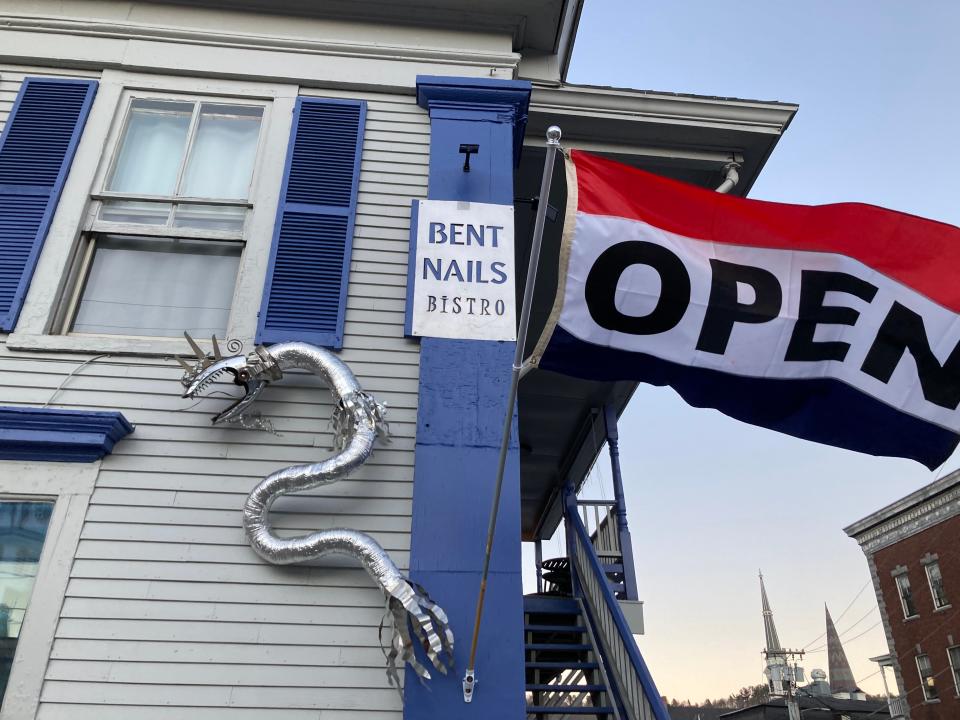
pixel 467 150
pixel 552 212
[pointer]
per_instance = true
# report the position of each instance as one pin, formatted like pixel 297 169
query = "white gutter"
pixel 731 178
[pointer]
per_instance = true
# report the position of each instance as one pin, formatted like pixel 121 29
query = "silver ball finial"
pixel 553 135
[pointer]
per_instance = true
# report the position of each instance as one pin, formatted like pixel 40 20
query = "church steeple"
pixel 841 678
pixel 769 629
pixel 782 672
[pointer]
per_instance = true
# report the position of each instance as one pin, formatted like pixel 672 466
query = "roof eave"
pixel 903 504
pixel 567 34
pixel 726 128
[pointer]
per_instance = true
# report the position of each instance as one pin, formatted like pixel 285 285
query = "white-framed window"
pixel 935 581
pixel 953 655
pixel 906 596
pixel 159 229
pixel 162 248
pixel 42 508
pixel 927 680
pixel 23 529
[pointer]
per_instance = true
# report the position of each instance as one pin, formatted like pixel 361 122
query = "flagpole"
pixel 553 144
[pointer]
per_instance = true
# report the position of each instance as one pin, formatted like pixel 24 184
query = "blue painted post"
pixel 538 550
pixel 626 544
pixel 463 392
pixel 570 510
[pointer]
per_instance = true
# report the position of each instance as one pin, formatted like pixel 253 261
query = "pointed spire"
pixel 769 629
pixel 841 677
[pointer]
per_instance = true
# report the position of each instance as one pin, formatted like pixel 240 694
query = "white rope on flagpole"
pixel 553 144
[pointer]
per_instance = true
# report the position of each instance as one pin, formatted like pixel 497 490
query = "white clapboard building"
pixel 247 170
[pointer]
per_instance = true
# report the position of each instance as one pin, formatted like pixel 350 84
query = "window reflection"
pixel 935 578
pixel 23 527
pixel 158 286
pixel 906 597
pixel 927 679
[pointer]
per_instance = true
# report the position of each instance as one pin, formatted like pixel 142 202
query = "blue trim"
pixel 823 410
pixel 441 110
pixel 28 190
pixel 490 178
pixel 482 92
pixel 9 321
pixel 58 435
pixel 351 222
pixel 463 388
pixel 277 223
pixel 462 401
pixel 411 268
pixel 444 94
pixel 623 527
pixel 317 209
pixel 330 339
pixel 623 630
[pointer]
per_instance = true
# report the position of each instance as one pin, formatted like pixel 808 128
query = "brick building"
pixel 913 550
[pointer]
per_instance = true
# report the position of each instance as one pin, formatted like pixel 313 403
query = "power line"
pixel 847 631
pixel 857 637
pixel 863 617
pixel 900 656
pixel 906 694
pixel 850 604
pixel 845 611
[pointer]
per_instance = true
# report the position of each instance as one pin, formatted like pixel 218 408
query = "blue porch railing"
pixel 633 687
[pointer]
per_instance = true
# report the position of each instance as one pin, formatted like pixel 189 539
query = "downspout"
pixel 731 177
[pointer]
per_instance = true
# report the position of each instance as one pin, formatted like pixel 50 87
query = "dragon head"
pixel 251 372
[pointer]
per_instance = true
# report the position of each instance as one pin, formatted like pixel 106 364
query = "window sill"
pixel 932 702
pixel 912 617
pixel 943 608
pixel 103 344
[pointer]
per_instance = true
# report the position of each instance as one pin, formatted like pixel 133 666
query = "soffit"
pixel 689 137
pixel 533 24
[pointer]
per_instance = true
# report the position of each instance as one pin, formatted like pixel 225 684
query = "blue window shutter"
pixel 305 295
pixel 36 148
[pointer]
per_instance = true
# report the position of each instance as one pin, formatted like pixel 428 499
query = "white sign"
pixel 463 271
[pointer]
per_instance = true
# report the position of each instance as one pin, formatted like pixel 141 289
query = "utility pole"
pixel 784 673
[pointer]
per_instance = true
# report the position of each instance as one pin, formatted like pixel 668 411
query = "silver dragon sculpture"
pixel 357 421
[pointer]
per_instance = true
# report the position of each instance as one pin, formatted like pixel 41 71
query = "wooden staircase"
pixel 564 675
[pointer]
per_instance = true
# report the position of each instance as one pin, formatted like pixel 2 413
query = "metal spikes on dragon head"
pixel 252 372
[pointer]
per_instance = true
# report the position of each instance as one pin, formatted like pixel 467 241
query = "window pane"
pixel 936 585
pixel 210 217
pixel 903 584
pixel 928 682
pixel 152 148
pixel 23 527
pixel 223 152
pixel 954 653
pixel 158 286
pixel 130 211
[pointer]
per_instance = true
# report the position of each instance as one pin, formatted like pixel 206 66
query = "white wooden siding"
pixel 168 613
pixel 11 76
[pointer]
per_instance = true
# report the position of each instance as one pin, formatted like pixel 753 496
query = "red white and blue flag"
pixel 834 323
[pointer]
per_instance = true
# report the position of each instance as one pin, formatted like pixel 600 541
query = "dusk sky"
pixel 713 500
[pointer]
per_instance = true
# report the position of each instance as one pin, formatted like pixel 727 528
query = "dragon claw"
pixel 410 606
